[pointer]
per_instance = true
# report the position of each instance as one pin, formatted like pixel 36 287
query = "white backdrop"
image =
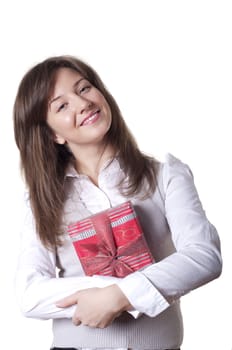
pixel 169 66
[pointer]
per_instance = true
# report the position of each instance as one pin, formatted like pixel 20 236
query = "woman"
pixel 79 158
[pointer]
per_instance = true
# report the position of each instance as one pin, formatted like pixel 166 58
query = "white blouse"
pixel 187 254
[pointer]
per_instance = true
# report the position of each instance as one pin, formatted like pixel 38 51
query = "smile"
pixel 91 118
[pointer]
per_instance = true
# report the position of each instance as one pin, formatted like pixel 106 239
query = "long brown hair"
pixel 44 162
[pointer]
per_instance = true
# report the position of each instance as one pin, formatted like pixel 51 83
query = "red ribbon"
pixel 107 254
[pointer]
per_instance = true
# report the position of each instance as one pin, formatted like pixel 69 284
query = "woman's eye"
pixel 84 89
pixel 62 106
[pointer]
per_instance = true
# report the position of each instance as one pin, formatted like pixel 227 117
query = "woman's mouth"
pixel 90 119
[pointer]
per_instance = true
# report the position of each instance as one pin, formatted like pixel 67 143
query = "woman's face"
pixel 78 113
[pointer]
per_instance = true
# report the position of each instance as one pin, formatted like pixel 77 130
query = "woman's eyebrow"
pixel 53 100
pixel 77 82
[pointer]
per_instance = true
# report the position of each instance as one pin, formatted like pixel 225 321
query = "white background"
pixel 169 66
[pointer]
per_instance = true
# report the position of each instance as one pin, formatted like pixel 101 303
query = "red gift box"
pixel 111 242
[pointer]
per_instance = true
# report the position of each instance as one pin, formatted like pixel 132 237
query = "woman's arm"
pixel 37 286
pixel 197 259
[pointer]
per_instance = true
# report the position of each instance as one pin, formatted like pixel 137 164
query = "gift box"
pixel 111 242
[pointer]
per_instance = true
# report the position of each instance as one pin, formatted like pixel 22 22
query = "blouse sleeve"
pixel 37 286
pixel 197 259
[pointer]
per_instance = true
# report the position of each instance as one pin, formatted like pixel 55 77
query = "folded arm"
pixel 197 259
pixel 37 286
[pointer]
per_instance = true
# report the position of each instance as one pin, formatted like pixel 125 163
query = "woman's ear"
pixel 59 139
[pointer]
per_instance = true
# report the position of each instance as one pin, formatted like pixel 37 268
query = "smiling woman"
pixel 78 114
pixel 79 158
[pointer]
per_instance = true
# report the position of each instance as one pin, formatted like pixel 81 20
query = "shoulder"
pixel 172 169
pixel 173 165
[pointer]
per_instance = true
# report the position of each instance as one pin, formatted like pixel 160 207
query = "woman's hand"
pixel 97 307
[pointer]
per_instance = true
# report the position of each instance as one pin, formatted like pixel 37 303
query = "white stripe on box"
pixel 122 220
pixel 83 235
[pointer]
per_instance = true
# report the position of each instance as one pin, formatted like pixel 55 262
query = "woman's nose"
pixel 82 104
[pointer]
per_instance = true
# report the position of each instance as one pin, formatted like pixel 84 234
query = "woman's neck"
pixel 91 160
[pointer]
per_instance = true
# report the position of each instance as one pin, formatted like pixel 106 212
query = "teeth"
pixel 90 118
